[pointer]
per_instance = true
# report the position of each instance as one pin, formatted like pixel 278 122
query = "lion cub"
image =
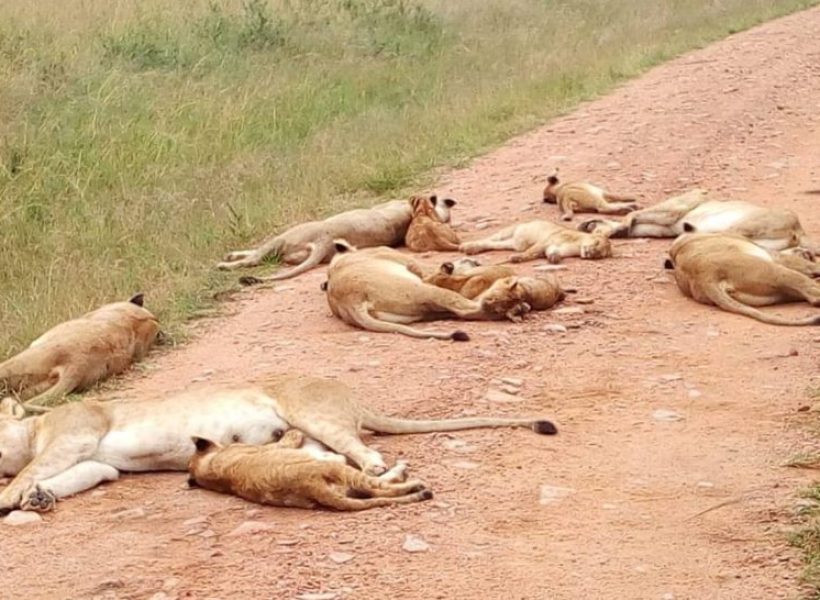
pixel 77 354
pixel 537 239
pixel 505 296
pixel 283 474
pixel 737 275
pixel 468 277
pixel 583 197
pixel 427 230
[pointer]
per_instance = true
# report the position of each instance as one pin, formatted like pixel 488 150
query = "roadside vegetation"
pixel 141 139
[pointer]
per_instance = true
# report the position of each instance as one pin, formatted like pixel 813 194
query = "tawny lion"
pixel 539 239
pixel 79 353
pixel 694 212
pixel 308 245
pixel 737 275
pixel 427 230
pixel 78 445
pixel 281 474
pixel 381 289
pixel 572 197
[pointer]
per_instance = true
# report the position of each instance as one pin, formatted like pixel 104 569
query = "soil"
pixel 666 479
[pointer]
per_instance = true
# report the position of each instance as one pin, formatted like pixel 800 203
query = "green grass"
pixel 141 139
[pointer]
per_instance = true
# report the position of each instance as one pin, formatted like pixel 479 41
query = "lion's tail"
pixel 720 296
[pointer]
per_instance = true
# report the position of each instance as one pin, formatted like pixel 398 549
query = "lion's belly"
pixel 711 218
pixel 163 441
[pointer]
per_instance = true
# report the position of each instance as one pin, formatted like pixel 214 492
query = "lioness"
pixel 584 197
pixel 468 277
pixel 77 354
pixel 76 446
pixel 281 474
pixel 736 275
pixel 381 289
pixel 427 230
pixel 694 212
pixel 308 245
pixel 537 239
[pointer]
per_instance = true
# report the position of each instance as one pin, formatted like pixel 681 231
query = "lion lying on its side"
pixel 282 474
pixel 77 354
pixel 308 245
pixel 737 275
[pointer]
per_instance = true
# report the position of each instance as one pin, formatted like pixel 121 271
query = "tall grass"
pixel 140 139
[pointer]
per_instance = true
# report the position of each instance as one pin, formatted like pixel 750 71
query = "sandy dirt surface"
pixel 635 507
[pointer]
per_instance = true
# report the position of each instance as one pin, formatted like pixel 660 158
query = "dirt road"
pixel 626 511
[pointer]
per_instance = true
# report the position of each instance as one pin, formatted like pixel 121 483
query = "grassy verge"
pixel 141 139
pixel 807 535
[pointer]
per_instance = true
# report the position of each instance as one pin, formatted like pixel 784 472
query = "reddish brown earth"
pixel 690 509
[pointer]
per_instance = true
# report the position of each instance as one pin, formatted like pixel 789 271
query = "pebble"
pixel 129 513
pixel 414 543
pixel 550 494
pixel 251 527
pixel 516 381
pixel 569 310
pixel 340 557
pixel 666 415
pixel 694 394
pixel 705 484
pixel 317 596
pixel 22 517
pixel 458 445
pixel 195 521
pixel 549 268
pixel 509 389
pixel 671 377
pixel 555 328
pixel 463 464
pixel 499 396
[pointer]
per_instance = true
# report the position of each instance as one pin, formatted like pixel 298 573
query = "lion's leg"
pixel 798 263
pixel 799 286
pixel 59 456
pixel 237 255
pixel 534 252
pixel 83 476
pixel 249 258
pixel 555 253
pixel 502 240
pixel 566 206
pixel 617 208
pixel 68 380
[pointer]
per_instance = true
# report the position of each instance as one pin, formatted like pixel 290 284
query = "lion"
pixel 737 275
pixel 427 230
pixel 308 245
pixel 537 239
pixel 584 197
pixel 76 354
pixel 693 212
pixel 467 277
pixel 79 445
pixel 281 474
pixel 535 293
pixel 382 290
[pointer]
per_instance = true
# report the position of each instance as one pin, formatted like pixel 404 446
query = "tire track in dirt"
pixel 741 117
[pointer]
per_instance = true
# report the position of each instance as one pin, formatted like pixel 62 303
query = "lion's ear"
pixel 202 445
